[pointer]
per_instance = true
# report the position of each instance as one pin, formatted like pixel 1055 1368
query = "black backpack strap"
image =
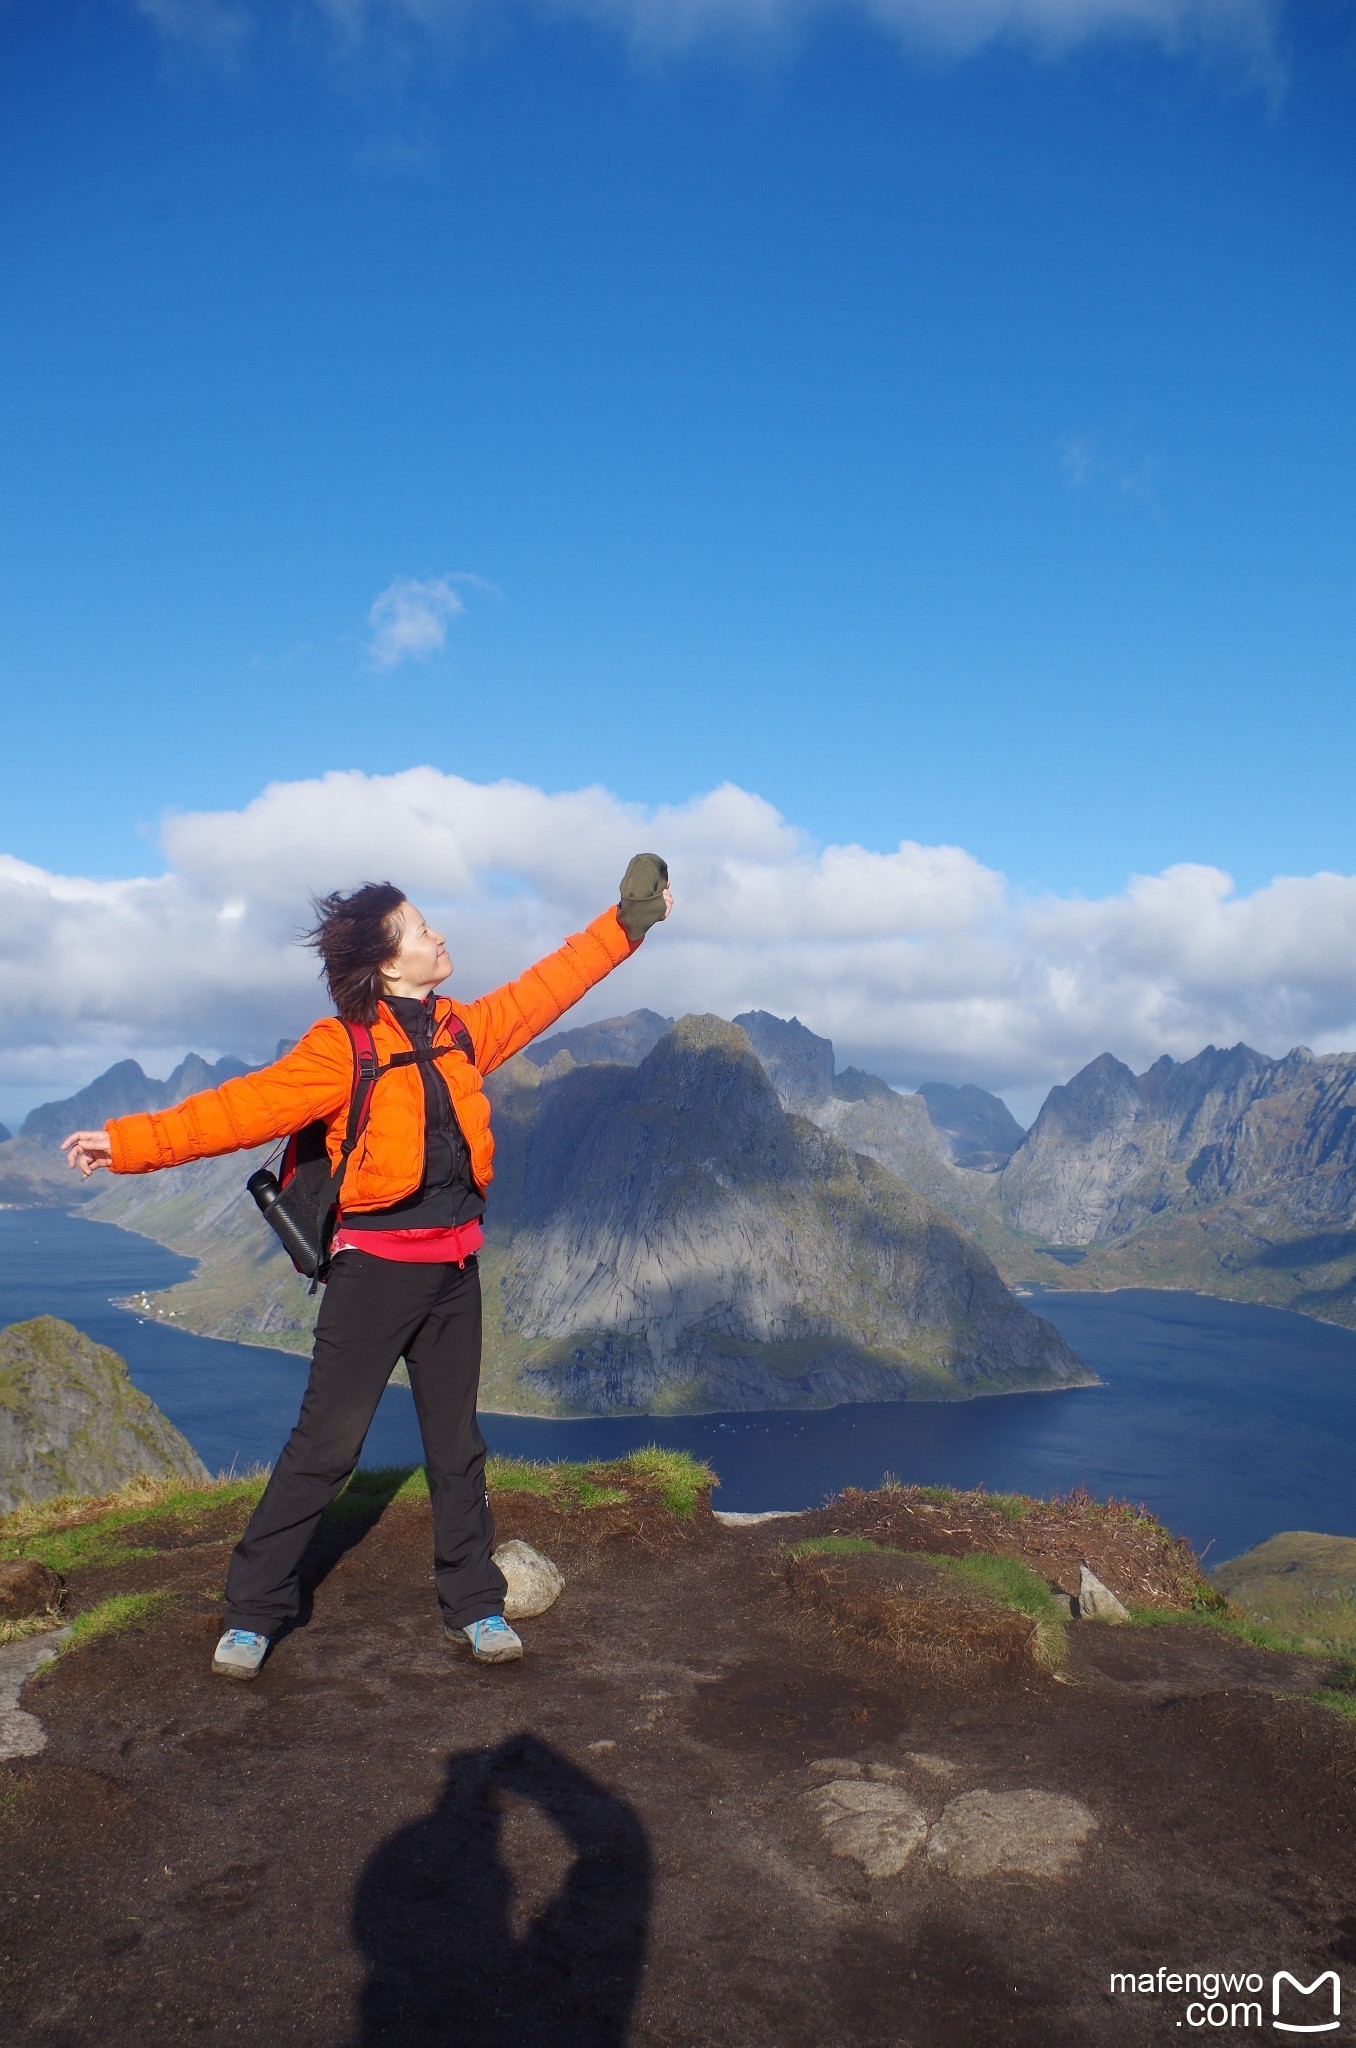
pixel 366 1070
pixel 426 1055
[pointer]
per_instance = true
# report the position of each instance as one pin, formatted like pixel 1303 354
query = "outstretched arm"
pixel 509 1018
pixel 312 1080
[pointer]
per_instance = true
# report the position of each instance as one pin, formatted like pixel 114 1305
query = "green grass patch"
pixel 82 1548
pixel 677 1479
pixel 566 1485
pixel 1340 1692
pixel 1213 1611
pixel 1013 1507
pixel 116 1617
pixel 76 1534
pixel 942 1495
pixel 836 1546
pixel 1011 1583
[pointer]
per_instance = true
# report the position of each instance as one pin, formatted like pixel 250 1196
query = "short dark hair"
pixel 356 937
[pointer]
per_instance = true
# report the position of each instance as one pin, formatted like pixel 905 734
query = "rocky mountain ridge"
pixel 72 1422
pixel 676 1240
pixel 1111 1148
pixel 1232 1173
pixel 124 1090
pixel 662 1235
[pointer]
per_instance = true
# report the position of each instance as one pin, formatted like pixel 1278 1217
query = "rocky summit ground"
pixel 788 1784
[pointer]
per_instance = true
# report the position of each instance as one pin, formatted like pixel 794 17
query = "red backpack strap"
pixel 461 1037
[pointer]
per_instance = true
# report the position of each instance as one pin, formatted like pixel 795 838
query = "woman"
pixel 404 1281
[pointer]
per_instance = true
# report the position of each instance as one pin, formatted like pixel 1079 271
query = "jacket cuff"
pixel 609 933
pixel 126 1155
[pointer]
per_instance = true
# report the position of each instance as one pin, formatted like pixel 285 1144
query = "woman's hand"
pixel 87 1150
pixel 646 897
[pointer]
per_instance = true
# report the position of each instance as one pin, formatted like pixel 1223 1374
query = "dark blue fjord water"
pixel 1230 1422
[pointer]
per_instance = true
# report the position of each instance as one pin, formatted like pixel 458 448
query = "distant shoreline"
pixel 165 1322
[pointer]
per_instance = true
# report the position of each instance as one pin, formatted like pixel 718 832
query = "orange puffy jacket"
pixel 315 1079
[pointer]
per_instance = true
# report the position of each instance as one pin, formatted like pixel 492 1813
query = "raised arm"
pixel 509 1018
pixel 312 1080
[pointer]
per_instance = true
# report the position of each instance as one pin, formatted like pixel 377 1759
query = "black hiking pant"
pixel 376 1312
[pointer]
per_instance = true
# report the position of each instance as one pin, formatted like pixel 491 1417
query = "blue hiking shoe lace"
pixel 490 1641
pixel 240 1653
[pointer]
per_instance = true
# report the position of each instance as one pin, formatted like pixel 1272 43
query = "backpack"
pixel 301 1201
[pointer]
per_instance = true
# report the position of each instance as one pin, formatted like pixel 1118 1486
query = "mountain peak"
pixel 799 1064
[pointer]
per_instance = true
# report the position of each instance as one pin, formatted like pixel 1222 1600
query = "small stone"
pixel 1033 1834
pixel 27 1588
pixel 836 1767
pixel 931 1766
pixel 605 1743
pixel 22 1733
pixel 1097 1602
pixel 878 1826
pixel 534 1584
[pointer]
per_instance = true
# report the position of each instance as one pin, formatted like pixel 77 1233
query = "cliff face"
pixel 676 1240
pixel 1112 1149
pixel 72 1422
pixel 900 1132
pixel 982 1130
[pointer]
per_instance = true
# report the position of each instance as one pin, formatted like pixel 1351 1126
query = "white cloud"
pixel 919 962
pixel 1246 28
pixel 409 618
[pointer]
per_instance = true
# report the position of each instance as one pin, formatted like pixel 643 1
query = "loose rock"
pixel 1097 1602
pixel 22 1733
pixel 1035 1834
pixel 534 1583
pixel 26 1588
pixel 877 1825
pixel 931 1766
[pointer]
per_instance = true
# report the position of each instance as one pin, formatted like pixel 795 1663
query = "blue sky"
pixel 957 450
pixel 950 447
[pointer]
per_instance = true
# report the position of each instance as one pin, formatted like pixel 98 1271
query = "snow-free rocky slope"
pixel 1231 1172
pixel 663 1236
pixel 676 1240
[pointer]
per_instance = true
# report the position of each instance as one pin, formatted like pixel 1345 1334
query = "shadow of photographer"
pixel 436 1904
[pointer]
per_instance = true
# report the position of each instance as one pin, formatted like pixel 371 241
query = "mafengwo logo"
pixel 1233 1999
pixel 1283 1984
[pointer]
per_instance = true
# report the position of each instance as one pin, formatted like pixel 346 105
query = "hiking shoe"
pixel 240 1653
pixel 490 1641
